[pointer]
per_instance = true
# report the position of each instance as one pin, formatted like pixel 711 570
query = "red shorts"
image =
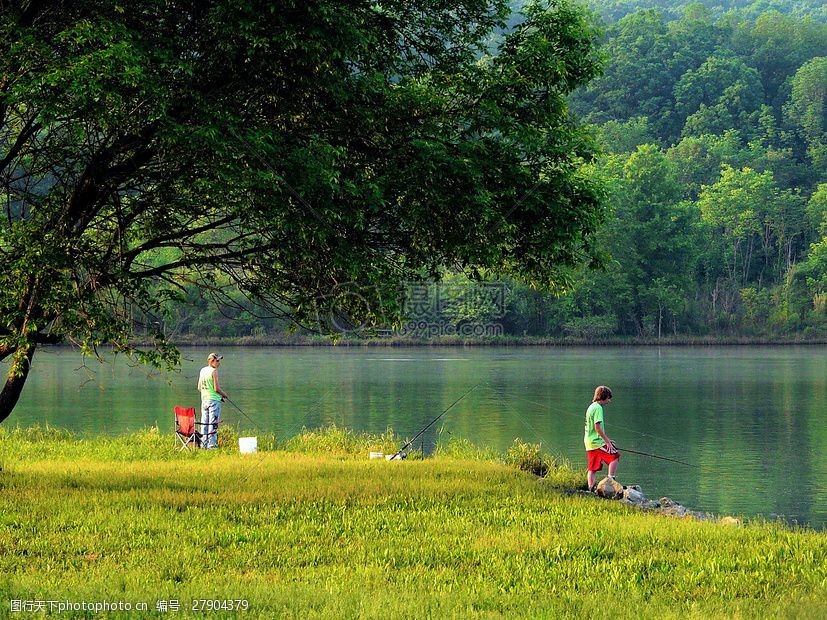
pixel 596 458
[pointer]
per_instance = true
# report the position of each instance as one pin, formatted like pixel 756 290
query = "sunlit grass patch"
pixel 326 532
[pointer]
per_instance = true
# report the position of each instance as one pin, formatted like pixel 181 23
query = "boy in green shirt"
pixel 599 448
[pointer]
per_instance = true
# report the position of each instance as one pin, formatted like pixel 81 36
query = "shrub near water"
pixel 528 457
pixel 332 534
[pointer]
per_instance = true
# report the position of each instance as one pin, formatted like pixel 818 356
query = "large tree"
pixel 807 111
pixel 306 154
pixel 652 242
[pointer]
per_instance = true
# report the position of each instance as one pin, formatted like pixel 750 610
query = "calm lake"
pixel 751 420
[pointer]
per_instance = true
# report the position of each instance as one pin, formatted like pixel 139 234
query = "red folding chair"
pixel 185 428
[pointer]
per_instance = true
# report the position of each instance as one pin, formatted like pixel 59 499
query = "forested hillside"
pixel 713 121
pixel 715 130
pixel 613 10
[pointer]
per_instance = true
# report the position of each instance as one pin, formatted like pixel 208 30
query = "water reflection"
pixel 750 418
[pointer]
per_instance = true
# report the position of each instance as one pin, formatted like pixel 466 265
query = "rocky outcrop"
pixel 610 488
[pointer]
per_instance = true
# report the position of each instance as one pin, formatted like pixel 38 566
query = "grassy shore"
pixel 312 528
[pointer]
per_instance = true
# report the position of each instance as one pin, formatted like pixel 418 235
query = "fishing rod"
pixel 400 454
pixel 239 410
pixel 656 456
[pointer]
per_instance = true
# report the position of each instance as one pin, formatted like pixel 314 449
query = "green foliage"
pixel 720 94
pixel 737 96
pixel 651 238
pixel 807 110
pixel 627 136
pixel 698 159
pixel 817 211
pixel 613 10
pixel 476 172
pixel 590 328
pixel 813 271
pixel 752 215
pixel 711 125
pixel 700 73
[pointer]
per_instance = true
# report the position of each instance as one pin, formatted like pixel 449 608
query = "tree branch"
pixel 30 129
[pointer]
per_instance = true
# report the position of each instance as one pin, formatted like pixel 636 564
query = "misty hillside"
pixel 613 10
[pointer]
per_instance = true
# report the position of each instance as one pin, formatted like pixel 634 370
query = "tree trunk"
pixel 18 372
pixel 660 319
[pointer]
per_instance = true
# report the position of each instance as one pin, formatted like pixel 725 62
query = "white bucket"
pixel 247 445
pixel 377 455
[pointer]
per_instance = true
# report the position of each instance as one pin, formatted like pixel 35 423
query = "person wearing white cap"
pixel 211 397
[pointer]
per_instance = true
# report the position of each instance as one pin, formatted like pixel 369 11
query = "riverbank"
pixel 314 528
pixel 494 341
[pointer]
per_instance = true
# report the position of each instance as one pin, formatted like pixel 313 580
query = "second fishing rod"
pixel 400 454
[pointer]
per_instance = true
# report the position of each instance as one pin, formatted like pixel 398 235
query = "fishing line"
pixel 288 433
pixel 558 411
pixel 614 423
pixel 522 419
pixel 291 431
pixel 539 437
pixel 501 398
pixel 315 406
pixel 517 414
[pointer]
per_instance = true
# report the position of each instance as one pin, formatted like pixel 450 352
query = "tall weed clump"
pixel 342 442
pixel 463 449
pixel 529 457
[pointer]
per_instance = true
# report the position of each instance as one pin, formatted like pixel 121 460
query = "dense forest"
pixel 712 118
pixel 715 132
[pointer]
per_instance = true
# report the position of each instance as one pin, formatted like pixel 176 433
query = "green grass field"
pixel 313 529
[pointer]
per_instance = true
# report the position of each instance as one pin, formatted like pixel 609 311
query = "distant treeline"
pixel 713 118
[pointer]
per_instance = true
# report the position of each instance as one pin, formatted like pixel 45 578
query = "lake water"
pixel 751 420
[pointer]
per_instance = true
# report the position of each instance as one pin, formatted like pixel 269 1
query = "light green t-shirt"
pixel 593 414
pixel 206 383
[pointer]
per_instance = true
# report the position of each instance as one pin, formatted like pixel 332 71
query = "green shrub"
pixel 528 457
pixel 227 436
